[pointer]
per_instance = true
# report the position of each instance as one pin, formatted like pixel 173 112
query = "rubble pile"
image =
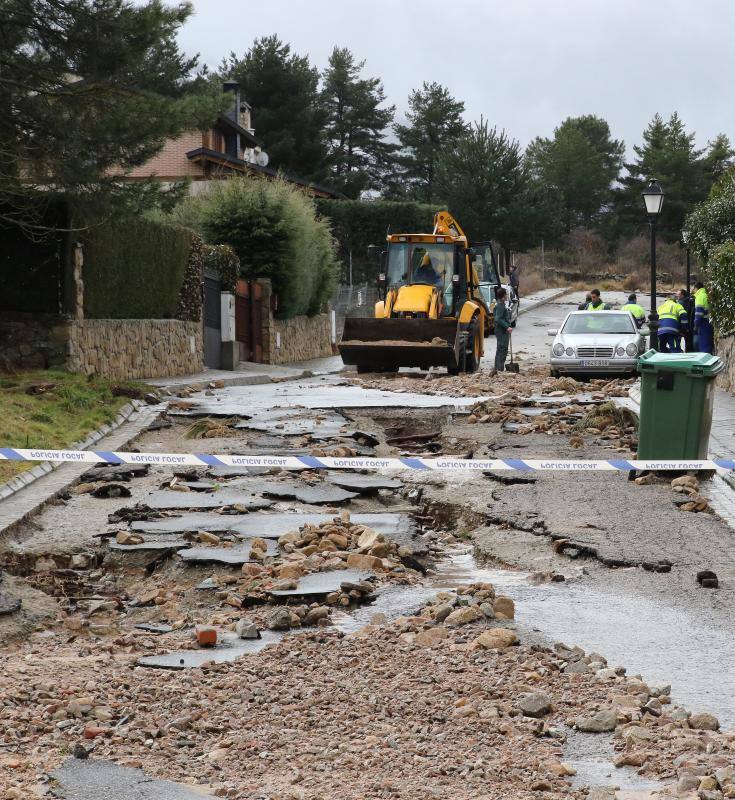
pixel 422 707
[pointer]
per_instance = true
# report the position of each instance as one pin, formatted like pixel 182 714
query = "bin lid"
pixel 692 363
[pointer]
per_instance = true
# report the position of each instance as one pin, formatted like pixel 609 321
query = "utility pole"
pixel 543 264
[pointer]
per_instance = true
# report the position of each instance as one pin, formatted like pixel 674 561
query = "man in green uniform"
pixel 638 314
pixel 503 331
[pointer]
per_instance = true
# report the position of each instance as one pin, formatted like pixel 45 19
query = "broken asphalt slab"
pixel 319 583
pixel 167 499
pixel 324 393
pixel 79 779
pixel 229 647
pixel 271 526
pixel 363 484
pixel 224 555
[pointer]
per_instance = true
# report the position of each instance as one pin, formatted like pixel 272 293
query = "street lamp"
pixel 653 196
pixel 690 304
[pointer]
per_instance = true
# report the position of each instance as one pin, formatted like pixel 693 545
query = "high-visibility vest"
pixel 638 313
pixel 672 317
pixel 601 307
pixel 701 308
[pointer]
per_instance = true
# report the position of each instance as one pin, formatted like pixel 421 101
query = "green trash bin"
pixel 677 392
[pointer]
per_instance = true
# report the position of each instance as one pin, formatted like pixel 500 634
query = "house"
pixel 228 148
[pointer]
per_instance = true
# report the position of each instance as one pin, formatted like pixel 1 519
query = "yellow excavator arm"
pixel 446 225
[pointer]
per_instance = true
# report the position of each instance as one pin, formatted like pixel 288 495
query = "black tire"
pixel 555 373
pixel 514 323
pixel 471 359
pixel 361 370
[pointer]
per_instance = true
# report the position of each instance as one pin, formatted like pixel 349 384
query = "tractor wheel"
pixel 474 346
pixel 361 370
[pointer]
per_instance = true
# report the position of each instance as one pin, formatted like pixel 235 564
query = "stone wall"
pixel 32 341
pixel 725 349
pixel 297 339
pixel 135 348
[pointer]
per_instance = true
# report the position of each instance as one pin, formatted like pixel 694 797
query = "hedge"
pixel 274 230
pixel 359 223
pixel 134 269
pixel 711 228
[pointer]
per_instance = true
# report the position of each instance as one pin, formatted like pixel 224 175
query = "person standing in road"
pixel 638 314
pixel 595 303
pixel 583 305
pixel 513 280
pixel 672 322
pixel 503 331
pixel 703 332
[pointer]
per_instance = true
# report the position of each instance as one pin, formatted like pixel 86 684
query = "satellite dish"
pixel 261 159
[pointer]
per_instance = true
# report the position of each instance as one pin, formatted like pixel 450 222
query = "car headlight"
pixel 620 350
pixel 558 349
pixel 632 349
pixel 569 351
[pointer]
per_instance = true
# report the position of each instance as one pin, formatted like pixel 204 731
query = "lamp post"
pixel 690 303
pixel 653 197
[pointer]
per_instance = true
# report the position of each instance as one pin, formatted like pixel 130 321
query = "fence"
pixel 353 301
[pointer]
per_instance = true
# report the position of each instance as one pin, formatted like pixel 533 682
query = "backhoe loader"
pixel 431 313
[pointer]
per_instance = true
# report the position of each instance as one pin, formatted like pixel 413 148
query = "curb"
pixel 544 301
pixel 14 485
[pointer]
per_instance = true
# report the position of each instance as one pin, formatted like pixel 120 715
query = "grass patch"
pixel 53 409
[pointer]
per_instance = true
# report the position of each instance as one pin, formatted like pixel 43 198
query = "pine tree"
pixel 668 153
pixel 282 89
pixel 356 121
pixel 434 123
pixel 582 162
pixel 89 87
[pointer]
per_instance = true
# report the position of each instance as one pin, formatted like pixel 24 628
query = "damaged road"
pixel 304 634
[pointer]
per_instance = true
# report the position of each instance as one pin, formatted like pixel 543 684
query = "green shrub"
pixel 359 223
pixel 274 230
pixel 711 228
pixel 721 285
pixel 223 261
pixel 134 269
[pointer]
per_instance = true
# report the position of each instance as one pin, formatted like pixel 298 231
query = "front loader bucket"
pixel 376 344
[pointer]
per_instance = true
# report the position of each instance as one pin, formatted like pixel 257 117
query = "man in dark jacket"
pixel 503 331
pixel 513 280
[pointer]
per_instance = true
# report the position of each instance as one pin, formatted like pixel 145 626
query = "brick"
pixel 206 635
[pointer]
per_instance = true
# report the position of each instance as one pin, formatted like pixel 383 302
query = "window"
pixel 422 263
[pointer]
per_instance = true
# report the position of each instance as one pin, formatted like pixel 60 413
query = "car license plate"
pixel 596 362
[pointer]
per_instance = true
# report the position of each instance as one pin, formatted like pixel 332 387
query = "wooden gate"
pixel 249 320
pixel 212 323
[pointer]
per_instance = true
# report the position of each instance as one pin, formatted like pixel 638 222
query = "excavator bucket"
pixel 386 344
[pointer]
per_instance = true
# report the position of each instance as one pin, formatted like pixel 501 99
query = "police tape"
pixel 331 462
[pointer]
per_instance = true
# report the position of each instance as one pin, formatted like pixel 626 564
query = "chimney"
pixel 232 140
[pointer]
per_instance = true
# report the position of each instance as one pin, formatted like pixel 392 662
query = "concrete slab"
pixel 224 555
pixel 324 393
pixel 363 484
pixel 152 542
pixel 297 422
pixel 229 648
pixel 319 583
pixel 270 526
pixel 79 779
pixel 115 472
pixel 318 494
pixel 168 499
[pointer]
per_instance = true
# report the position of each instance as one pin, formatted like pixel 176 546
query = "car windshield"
pixel 423 263
pixel 599 322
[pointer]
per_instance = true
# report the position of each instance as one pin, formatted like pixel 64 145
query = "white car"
pixel 597 342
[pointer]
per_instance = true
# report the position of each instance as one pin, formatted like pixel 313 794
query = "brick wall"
pixel 135 348
pixel 172 162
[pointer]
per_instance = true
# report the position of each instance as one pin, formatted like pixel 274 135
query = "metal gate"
pixel 249 320
pixel 212 323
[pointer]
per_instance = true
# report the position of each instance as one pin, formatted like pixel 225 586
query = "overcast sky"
pixel 523 64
